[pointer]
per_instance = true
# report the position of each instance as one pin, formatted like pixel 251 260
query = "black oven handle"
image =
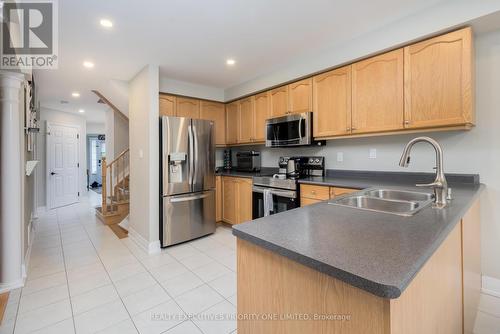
pixel 277 192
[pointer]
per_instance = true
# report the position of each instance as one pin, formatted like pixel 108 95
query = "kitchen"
pixel 279 167
pixel 338 104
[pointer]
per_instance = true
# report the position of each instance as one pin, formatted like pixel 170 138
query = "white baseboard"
pixel 6 287
pixel 152 247
pixel 491 286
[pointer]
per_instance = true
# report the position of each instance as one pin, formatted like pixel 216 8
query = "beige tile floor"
pixel 83 279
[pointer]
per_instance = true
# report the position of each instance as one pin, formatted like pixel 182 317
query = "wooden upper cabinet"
pixel 232 122
pixel 278 101
pixel 216 112
pixel 245 121
pixel 261 114
pixel 332 103
pixel 167 105
pixel 187 107
pixel 377 93
pixel 438 81
pixel 300 96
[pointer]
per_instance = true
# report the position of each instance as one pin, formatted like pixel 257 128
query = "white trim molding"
pixel 152 247
pixel 41 209
pixel 491 286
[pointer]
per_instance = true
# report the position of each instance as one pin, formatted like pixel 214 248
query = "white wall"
pixel 474 151
pixel 41 170
pixel 427 22
pixel 172 86
pixel 144 157
pixel 95 128
pixel 117 134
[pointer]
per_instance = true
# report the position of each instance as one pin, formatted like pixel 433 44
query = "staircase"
pixel 115 189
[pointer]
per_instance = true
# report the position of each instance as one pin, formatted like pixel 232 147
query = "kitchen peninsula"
pixel 363 271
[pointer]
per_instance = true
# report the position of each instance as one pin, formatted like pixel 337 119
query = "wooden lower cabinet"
pixel 440 299
pixel 237 199
pixel 218 198
pixel 311 194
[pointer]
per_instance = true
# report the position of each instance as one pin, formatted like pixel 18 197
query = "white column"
pixel 11 172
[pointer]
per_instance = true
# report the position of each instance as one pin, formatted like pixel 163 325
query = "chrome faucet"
pixel 439 185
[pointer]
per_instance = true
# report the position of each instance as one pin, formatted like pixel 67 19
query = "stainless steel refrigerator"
pixel 187 179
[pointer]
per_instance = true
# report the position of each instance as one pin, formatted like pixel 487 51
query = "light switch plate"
pixel 373 153
pixel 340 156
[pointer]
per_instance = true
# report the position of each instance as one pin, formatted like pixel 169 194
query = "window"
pixel 93 156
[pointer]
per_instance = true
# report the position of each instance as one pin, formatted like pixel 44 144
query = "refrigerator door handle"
pixel 191 151
pixel 189 198
pixel 195 153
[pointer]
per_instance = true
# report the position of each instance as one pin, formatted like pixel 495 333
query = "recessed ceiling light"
pixel 81 110
pixel 230 62
pixel 106 23
pixel 75 94
pixel 88 64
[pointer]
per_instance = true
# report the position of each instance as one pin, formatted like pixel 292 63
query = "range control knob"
pixel 311 160
pixel 317 161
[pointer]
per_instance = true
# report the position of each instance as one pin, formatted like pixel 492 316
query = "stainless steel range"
pixel 280 192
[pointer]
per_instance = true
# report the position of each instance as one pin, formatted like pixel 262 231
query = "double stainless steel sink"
pixel 394 201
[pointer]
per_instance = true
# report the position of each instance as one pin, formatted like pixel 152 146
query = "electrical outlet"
pixel 340 156
pixel 373 153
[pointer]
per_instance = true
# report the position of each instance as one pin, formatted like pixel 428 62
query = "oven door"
pixel 283 200
pixel 290 130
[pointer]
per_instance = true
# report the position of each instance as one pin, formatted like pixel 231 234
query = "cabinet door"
pixel 187 107
pixel 229 200
pixel 261 114
pixel 216 112
pixel 167 105
pixel 244 200
pixel 218 198
pixel 279 101
pixel 377 93
pixel 300 96
pixel 314 192
pixel 336 191
pixel 246 115
pixel 332 103
pixel 438 81
pixel 232 123
pixel 304 201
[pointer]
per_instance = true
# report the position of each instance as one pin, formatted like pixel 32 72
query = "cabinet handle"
pixel 353 128
pixel 313 192
pixel 407 122
pixel 348 129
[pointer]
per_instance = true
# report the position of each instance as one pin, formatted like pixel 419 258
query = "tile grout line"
pixel 204 283
pixel 172 297
pixel 111 280
pixel 66 271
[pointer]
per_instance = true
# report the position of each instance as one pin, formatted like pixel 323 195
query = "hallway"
pixel 84 279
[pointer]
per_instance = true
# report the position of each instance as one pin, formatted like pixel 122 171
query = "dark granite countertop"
pixel 265 171
pixel 377 252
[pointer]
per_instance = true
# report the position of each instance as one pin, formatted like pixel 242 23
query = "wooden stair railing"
pixel 115 182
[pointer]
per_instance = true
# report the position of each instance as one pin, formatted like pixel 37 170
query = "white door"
pixel 62 165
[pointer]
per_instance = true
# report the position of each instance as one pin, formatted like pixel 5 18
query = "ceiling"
pixel 191 39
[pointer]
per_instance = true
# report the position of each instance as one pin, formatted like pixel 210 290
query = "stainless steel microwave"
pixel 289 130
